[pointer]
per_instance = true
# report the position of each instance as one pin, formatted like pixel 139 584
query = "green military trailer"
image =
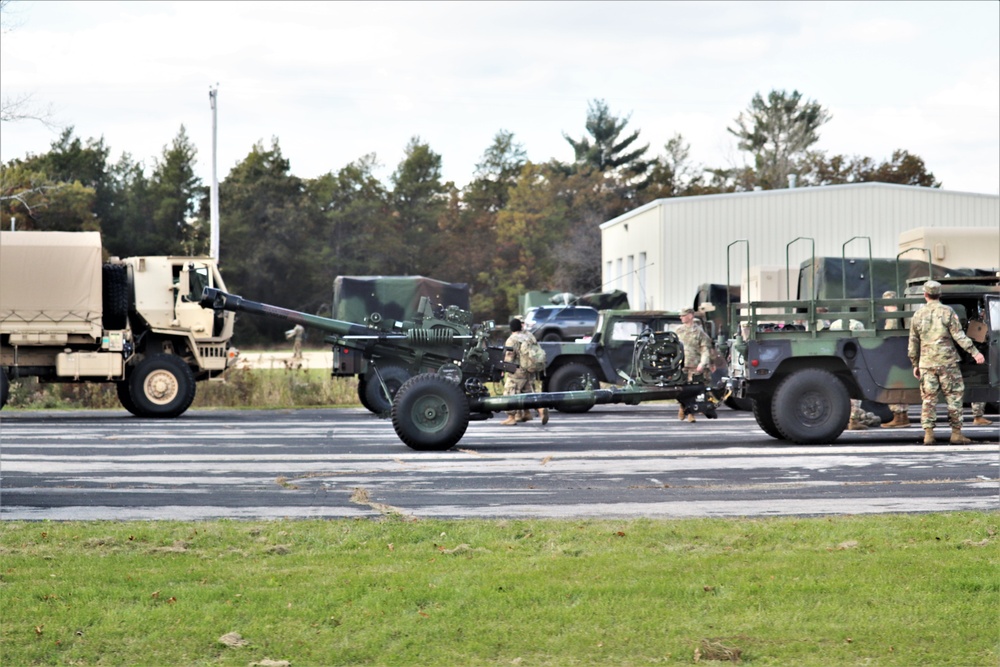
pixel 383 302
pixel 800 362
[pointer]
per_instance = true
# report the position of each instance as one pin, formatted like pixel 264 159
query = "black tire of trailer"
pixel 811 406
pixel 430 413
pixel 375 400
pixel 161 386
pixel 992 408
pixel 115 293
pixel 761 407
pixel 573 377
pixel 4 388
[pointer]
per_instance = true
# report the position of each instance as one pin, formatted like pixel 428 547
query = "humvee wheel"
pixel 811 406
pixel 161 386
pixel 762 413
pixel 430 413
pixel 573 377
pixel 374 398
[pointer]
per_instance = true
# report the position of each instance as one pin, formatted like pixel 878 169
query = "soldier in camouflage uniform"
pixel 900 416
pixel 934 331
pixel 697 355
pixel 521 381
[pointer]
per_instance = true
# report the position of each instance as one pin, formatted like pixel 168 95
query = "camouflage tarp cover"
pixel 393 297
pixel 616 300
pixel 829 281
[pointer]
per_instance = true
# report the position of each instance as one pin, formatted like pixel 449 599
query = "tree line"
pixel 517 225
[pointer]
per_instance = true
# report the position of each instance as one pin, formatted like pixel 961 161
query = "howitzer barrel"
pixel 219 300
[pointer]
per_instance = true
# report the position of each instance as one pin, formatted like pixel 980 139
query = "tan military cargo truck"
pixel 68 316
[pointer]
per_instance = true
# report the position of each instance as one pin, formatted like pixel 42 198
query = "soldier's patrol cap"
pixel 932 287
pixel 687 311
pixel 888 294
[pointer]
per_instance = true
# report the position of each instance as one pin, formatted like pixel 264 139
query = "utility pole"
pixel 213 94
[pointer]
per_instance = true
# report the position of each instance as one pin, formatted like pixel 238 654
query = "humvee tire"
pixel 573 377
pixel 811 406
pixel 430 413
pixel 762 413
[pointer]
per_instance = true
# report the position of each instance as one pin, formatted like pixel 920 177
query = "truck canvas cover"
pixel 50 281
pixel 829 276
pixel 392 297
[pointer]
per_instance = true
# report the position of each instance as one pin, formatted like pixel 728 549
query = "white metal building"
pixel 661 252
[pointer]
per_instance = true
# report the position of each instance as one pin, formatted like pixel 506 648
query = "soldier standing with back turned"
pixel 697 354
pixel 934 331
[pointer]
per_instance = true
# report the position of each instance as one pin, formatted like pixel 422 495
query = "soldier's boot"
pixel 525 417
pixel 543 413
pixel 855 425
pixel 510 421
pixel 957 438
pixel 982 421
pixel 680 413
pixel 928 436
pixel 691 418
pixel 899 420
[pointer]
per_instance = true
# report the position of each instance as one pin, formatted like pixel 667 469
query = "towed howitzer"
pixel 432 410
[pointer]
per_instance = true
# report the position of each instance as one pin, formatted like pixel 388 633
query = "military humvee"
pixel 800 373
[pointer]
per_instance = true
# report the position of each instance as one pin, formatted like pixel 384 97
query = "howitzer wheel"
pixel 374 398
pixel 811 406
pixel 430 413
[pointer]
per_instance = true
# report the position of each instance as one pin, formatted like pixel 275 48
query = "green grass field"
pixel 874 590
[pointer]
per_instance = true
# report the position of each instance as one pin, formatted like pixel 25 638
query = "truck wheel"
pixel 4 388
pixel 551 337
pixel 375 400
pixel 573 377
pixel 762 413
pixel 115 295
pixel 161 386
pixel 125 398
pixel 811 406
pixel 430 413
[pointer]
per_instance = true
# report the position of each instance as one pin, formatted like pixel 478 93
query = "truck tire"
pixel 125 397
pixel 430 413
pixel 161 386
pixel 4 388
pixel 375 400
pixel 573 377
pixel 811 406
pixel 551 337
pixel 762 413
pixel 115 295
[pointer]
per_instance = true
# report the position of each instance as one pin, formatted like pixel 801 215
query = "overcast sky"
pixel 334 81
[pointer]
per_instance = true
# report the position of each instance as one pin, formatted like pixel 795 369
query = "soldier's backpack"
pixel 532 356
